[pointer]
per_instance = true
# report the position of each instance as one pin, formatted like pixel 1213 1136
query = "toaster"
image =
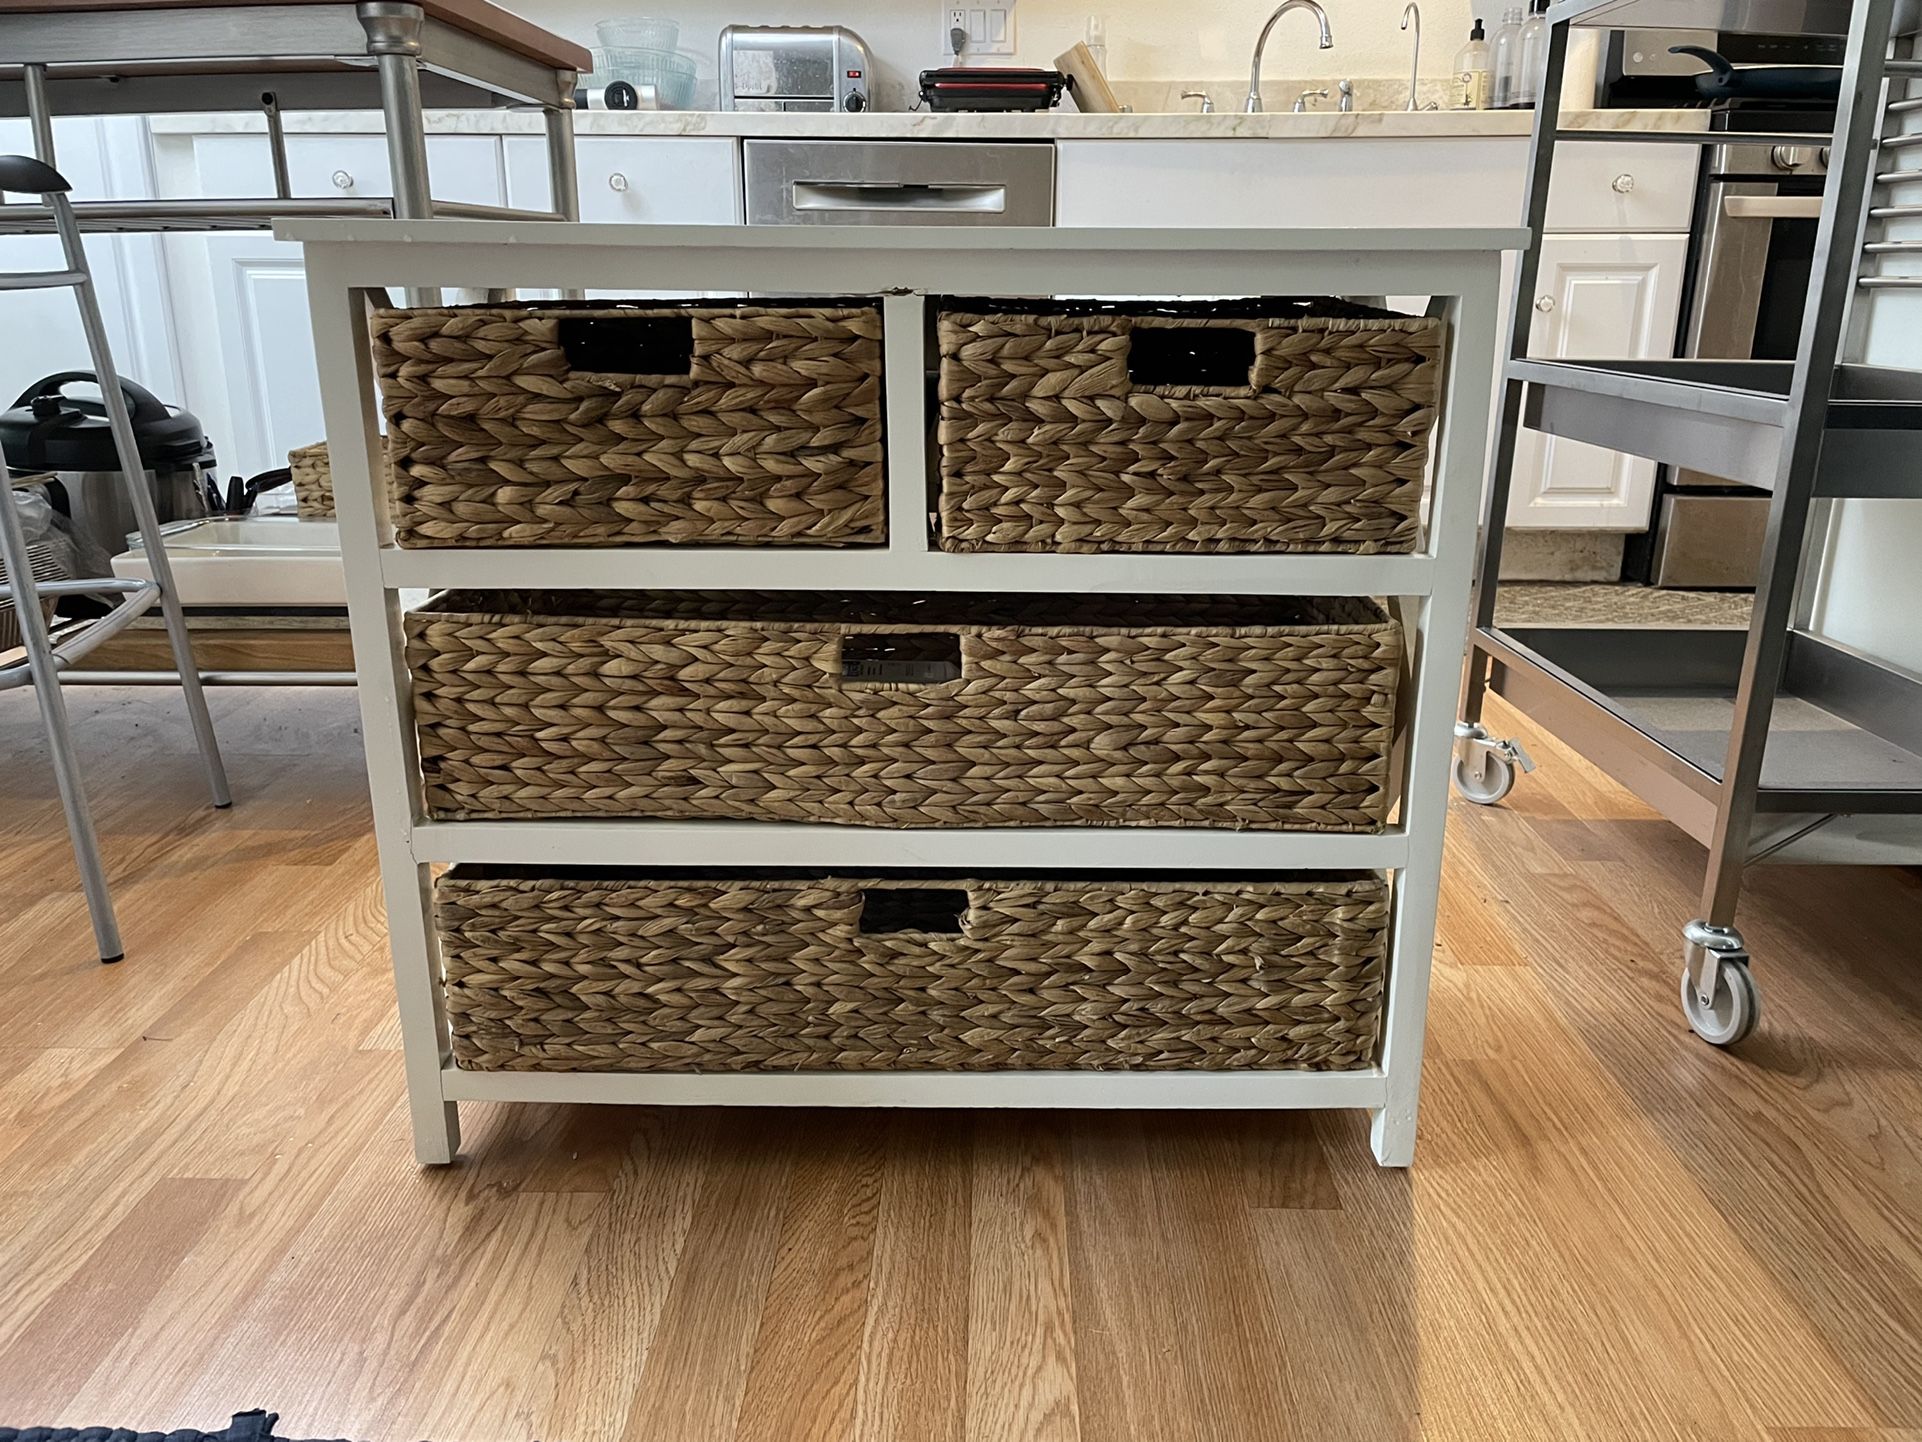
pixel 794 67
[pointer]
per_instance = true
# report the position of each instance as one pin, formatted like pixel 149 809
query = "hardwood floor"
pixel 207 1199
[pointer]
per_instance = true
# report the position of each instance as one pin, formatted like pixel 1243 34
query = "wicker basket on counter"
pixel 697 972
pixel 1261 425
pixel 899 710
pixel 606 424
pixel 313 480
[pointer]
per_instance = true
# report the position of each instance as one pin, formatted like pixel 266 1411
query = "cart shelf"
pixel 1726 418
pixel 1655 708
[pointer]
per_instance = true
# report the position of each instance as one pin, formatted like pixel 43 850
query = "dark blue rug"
pixel 246 1427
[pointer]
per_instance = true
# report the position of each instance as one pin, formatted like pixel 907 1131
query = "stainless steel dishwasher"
pixel 899 182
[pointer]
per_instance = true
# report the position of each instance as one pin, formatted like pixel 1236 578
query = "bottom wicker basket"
pixel 704 971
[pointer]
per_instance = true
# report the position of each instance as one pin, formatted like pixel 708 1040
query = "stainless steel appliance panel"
pixel 884 182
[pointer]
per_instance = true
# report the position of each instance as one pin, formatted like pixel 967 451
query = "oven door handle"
pixel 1772 207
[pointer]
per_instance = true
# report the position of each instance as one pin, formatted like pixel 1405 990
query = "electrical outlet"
pixel 989 30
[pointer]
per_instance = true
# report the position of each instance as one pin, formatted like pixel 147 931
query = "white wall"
pixel 902 38
pixel 1147 39
pixel 1212 39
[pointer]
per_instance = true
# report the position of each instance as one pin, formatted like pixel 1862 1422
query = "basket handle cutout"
pixel 1216 357
pixel 937 911
pixel 901 658
pixel 629 345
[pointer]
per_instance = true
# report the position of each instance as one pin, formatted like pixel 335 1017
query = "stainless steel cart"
pixel 1779 745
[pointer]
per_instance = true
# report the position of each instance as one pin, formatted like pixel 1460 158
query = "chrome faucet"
pixel 1413 11
pixel 1207 100
pixel 1305 102
pixel 1347 103
pixel 1313 7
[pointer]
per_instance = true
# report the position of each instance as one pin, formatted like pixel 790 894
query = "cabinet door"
pixel 1597 297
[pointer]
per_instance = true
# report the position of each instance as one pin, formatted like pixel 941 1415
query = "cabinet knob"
pixel 1544 303
pixel 342 180
pixel 617 181
pixel 1622 184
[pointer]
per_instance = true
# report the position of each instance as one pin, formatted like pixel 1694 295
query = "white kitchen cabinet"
pixel 649 180
pixel 1598 296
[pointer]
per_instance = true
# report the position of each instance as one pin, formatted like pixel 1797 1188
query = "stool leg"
pixel 132 473
pixel 53 714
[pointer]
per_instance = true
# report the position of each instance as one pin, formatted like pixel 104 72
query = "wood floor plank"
pixel 1284 1165
pixel 173 1347
pixel 124 1274
pixel 804 1376
pixel 590 1369
pixel 1021 1380
pixel 914 1339
pixel 697 1368
pixel 483 1353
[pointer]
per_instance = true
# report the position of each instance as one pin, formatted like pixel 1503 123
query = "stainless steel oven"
pixel 1750 260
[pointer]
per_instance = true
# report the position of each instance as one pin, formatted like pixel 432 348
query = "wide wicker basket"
pixel 313 480
pixel 895 710
pixel 699 972
pixel 1265 425
pixel 605 424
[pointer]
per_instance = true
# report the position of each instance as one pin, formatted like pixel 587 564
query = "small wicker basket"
pixel 605 424
pixel 898 710
pixel 313 482
pixel 1264 425
pixel 698 972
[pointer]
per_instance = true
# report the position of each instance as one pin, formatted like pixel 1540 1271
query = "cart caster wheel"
pixel 1734 1011
pixel 1496 781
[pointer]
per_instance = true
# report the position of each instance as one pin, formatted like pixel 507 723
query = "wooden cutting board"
pixel 476 17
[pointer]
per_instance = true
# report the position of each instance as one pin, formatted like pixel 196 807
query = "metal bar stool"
pixel 45 660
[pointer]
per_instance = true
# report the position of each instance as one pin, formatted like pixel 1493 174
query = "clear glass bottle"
pixel 1505 51
pixel 1096 37
pixel 1472 76
pixel 1532 57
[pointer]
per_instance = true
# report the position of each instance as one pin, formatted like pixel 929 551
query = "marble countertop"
pixel 922 125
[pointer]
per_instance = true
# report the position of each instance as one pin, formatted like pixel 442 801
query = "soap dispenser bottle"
pixel 1473 79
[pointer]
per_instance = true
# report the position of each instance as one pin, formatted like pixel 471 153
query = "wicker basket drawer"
pixel 700 971
pixel 600 424
pixel 1264 425
pixel 893 710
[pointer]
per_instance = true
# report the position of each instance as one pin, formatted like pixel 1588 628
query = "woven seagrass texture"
pixel 1128 711
pixel 313 480
pixel 772 436
pixel 727 976
pixel 1047 445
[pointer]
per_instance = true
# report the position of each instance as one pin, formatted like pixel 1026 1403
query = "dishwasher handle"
pixel 965 198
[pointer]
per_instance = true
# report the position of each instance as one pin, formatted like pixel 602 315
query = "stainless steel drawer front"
pixel 880 182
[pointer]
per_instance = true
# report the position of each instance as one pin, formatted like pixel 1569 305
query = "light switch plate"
pixel 989 28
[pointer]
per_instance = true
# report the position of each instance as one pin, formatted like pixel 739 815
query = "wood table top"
pixel 476 17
